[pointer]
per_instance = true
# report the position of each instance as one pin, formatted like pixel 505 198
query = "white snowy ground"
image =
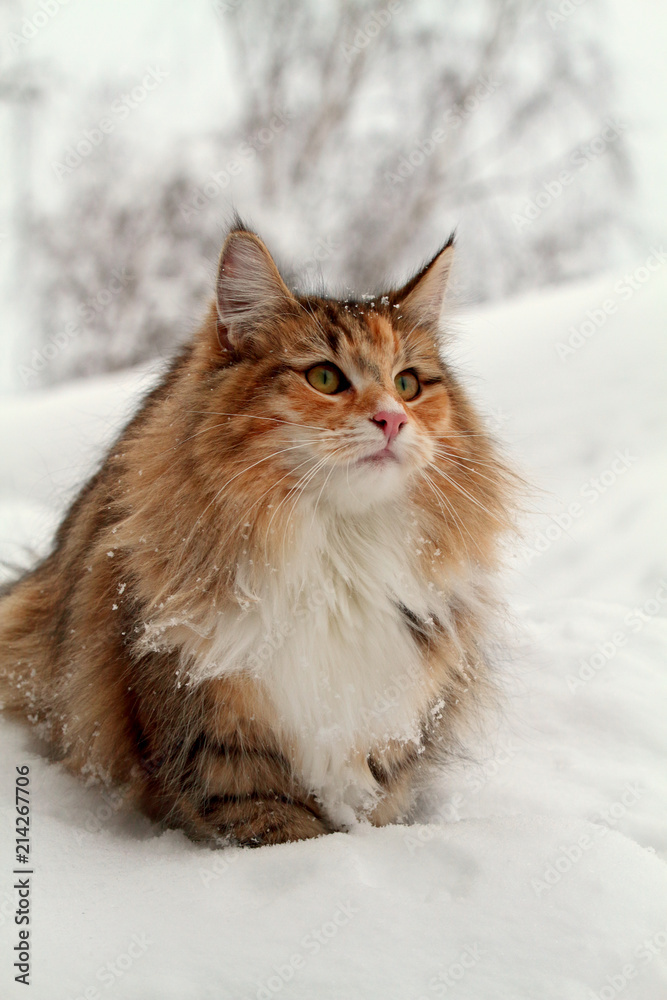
pixel 542 874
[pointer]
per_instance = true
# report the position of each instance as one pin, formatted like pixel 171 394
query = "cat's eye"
pixel 327 378
pixel 407 385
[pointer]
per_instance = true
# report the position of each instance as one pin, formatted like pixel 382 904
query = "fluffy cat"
pixel 267 614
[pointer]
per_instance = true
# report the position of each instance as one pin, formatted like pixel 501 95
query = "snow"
pixel 539 867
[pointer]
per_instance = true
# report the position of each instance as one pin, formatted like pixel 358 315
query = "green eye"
pixel 407 385
pixel 327 378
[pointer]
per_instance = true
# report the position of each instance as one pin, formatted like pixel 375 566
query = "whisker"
pixel 458 523
pixel 457 486
pixel 317 462
pixel 309 476
pixel 266 458
pixel 267 530
pixel 324 486
pixel 277 483
pixel 256 416
pixel 205 430
pixel 470 467
pixel 468 434
pixel 463 458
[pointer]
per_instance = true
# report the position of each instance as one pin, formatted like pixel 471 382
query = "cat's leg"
pixel 251 821
pixel 243 793
pixel 395 773
pixel 226 778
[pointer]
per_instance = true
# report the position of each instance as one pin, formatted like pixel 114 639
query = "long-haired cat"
pixel 267 614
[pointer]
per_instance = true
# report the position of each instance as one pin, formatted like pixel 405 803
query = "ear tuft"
pixel 423 297
pixel 249 288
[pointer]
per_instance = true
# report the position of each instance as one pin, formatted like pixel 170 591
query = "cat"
pixel 267 616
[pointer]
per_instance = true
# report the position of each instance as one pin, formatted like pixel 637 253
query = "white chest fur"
pixel 326 639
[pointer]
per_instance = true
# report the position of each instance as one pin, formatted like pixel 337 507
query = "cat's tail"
pixel 25 606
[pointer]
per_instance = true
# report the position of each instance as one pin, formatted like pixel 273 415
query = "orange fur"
pixel 138 645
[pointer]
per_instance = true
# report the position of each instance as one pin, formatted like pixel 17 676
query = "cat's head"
pixel 347 404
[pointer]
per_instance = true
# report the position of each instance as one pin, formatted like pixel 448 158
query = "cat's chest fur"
pixel 329 639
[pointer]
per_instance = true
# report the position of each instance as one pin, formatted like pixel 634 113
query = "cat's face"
pixel 334 404
pixel 349 398
pixel 363 401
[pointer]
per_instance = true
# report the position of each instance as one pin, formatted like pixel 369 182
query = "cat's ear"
pixel 423 298
pixel 249 288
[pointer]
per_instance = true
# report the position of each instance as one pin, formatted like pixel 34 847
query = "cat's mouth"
pixel 379 457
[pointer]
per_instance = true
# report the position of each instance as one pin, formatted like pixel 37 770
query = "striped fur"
pixel 256 630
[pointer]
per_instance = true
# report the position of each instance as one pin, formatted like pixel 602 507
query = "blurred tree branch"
pixel 399 120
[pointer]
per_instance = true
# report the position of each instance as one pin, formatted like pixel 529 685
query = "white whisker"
pixel 256 416
pixel 458 523
pixel 457 486
pixel 266 458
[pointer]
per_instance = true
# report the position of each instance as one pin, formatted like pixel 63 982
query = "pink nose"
pixel 391 422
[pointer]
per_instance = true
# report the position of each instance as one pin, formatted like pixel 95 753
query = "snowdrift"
pixel 539 867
